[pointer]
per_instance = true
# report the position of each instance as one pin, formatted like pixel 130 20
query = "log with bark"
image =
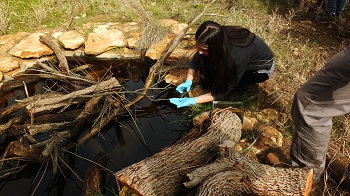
pixel 231 174
pixel 235 174
pixel 164 172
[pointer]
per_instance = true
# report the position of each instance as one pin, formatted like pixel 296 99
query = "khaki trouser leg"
pixel 325 95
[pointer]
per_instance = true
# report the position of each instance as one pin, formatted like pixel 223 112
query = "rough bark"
pixel 94 175
pixel 20 104
pixel 70 98
pixel 164 172
pixel 63 64
pixel 13 121
pixel 239 175
pixel 18 82
pixel 22 150
pixel 65 116
pixel 232 173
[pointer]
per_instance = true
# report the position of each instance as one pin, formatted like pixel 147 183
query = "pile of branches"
pixel 42 128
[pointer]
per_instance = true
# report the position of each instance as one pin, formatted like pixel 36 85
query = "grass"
pixel 296 58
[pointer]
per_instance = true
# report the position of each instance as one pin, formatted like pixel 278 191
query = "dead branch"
pixel 85 114
pixel 51 147
pixel 164 56
pixel 65 116
pixel 21 151
pixel 38 110
pixel 20 104
pixel 100 125
pixel 68 99
pixel 63 64
pixel 13 121
pixel 75 125
pixel 18 82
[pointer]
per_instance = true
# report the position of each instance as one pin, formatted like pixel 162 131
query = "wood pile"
pixel 206 159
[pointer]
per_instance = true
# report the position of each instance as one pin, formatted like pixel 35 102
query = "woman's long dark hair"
pixel 219 39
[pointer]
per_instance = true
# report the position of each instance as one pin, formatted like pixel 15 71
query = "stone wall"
pixel 108 41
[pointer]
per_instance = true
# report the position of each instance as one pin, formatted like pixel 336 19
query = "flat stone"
pixel 133 41
pixel 8 64
pixel 177 28
pixel 156 50
pixel 8 41
pixel 180 53
pixel 100 42
pixel 167 22
pixel 125 55
pixel 31 47
pixel 71 39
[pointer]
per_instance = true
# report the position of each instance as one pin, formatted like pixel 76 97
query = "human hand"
pixel 182 102
pixel 184 86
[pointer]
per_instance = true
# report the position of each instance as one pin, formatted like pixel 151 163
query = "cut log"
pixel 230 174
pixel 244 176
pixel 164 172
pixel 236 174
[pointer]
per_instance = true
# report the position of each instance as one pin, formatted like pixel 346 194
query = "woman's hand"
pixel 182 102
pixel 184 86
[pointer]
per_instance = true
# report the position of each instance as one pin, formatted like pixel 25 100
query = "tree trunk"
pixel 164 172
pixel 230 174
pixel 239 175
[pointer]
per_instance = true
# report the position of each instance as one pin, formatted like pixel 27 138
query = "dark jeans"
pixel 336 6
pixel 252 77
pixel 249 77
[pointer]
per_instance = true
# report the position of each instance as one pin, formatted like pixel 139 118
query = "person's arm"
pixel 208 97
pixel 186 101
pixel 190 74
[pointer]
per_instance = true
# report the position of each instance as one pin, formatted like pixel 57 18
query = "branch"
pixel 59 54
pixel 160 62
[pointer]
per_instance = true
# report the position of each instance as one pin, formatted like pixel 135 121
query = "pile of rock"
pixel 108 41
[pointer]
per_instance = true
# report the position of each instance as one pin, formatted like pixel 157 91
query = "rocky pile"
pixel 109 41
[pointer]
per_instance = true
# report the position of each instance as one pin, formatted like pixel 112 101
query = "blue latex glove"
pixel 184 86
pixel 182 102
